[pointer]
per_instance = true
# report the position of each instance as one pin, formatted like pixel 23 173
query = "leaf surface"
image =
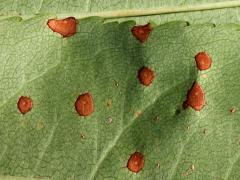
pixel 52 141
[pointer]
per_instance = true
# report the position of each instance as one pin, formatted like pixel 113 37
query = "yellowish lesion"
pixel 204 76
pixel 23 122
pixel 190 170
pixel 110 120
pixel 137 114
pixel 233 110
pixel 40 125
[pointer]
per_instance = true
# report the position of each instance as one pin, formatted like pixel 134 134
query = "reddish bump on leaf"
pixel 135 162
pixel 145 76
pixel 142 32
pixel 66 27
pixel 203 61
pixel 84 104
pixel 24 104
pixel 195 97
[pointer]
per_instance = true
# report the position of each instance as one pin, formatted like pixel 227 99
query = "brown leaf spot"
pixel 84 104
pixel 189 170
pixel 203 61
pixel 141 32
pixel 137 114
pixel 145 76
pixel 135 162
pixel 24 104
pixel 109 103
pixel 110 120
pixel 82 136
pixel 66 27
pixel 116 83
pixel 233 110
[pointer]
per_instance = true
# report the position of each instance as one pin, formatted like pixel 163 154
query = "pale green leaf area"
pixel 79 8
pixel 28 7
pixel 53 142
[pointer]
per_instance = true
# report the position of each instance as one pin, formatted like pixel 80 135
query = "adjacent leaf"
pixel 26 7
pixel 62 8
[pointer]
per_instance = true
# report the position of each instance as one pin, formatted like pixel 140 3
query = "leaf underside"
pixel 52 141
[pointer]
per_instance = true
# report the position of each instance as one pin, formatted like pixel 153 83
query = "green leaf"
pixel 219 13
pixel 53 142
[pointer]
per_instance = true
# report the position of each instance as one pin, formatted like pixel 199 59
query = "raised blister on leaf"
pixel 145 76
pixel 135 162
pixel 142 32
pixel 195 97
pixel 84 104
pixel 66 27
pixel 24 104
pixel 203 61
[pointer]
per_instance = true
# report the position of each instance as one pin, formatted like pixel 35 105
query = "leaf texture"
pixel 53 142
